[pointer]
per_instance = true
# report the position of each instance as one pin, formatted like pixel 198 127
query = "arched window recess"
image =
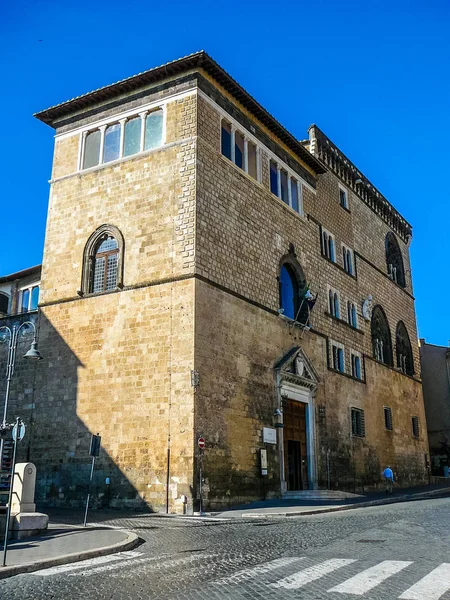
pixel 381 337
pixel 295 298
pixel 394 260
pixel 405 361
pixel 103 261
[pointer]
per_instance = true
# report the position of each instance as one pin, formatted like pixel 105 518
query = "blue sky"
pixel 374 76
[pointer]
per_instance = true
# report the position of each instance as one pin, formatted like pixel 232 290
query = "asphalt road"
pixel 379 553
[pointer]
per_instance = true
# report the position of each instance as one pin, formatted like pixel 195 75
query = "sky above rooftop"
pixel 373 76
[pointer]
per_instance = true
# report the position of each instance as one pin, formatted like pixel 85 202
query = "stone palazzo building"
pixel 206 274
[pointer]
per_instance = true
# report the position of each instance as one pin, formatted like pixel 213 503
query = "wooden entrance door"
pixel 295 449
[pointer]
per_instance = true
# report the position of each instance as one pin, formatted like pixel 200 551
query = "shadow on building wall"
pixel 44 394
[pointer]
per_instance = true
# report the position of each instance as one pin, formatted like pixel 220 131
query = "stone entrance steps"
pixel 319 495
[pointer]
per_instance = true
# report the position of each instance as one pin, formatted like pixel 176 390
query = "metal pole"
pixel 8 385
pixel 89 491
pixel 8 512
pixel 168 477
pixel 200 482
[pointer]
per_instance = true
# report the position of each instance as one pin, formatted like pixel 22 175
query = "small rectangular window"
pixel 34 298
pixel 415 426
pixel 343 198
pixel 351 314
pixel 294 195
pixel 25 304
pixel 132 141
pixel 284 186
pixel 226 139
pixel 239 149
pixel 153 129
pixel 252 161
pixel 338 358
pixel 328 246
pixel 356 366
pixel 273 178
pixel 388 418
pixel 92 149
pixel 358 424
pixel 111 145
pixel 4 303
pixel 347 260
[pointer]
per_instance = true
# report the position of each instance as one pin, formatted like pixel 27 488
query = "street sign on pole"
pixel 94 451
pixel 201 443
pixel 95 445
pixel 18 431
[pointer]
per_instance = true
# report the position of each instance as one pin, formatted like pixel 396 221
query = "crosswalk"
pixel 283 576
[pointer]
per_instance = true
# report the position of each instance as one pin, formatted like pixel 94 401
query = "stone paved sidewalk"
pixel 61 545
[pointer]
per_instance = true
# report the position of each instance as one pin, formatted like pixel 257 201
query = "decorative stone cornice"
pixel 329 154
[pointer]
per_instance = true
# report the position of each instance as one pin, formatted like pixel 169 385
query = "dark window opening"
pixel 358 424
pixel 415 426
pixel 405 360
pixel 394 260
pixel 292 290
pixel 388 418
pixel 381 337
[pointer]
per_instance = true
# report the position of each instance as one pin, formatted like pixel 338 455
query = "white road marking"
pixel 87 563
pixel 158 562
pixel 370 578
pixel 246 574
pixel 312 573
pixel 430 587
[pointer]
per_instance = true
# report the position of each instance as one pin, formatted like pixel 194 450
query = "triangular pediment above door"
pixel 296 367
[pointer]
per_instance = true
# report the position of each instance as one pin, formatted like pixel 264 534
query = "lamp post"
pixel 32 354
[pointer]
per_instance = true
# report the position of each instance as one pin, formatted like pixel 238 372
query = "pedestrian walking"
pixel 389 479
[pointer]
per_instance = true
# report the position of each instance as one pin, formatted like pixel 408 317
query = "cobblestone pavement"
pixel 380 553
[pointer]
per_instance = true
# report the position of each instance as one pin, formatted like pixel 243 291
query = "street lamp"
pixel 32 354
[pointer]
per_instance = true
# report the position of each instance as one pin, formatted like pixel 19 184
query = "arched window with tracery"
pixel 103 261
pixel 405 360
pixel 381 337
pixel 292 289
pixel 394 260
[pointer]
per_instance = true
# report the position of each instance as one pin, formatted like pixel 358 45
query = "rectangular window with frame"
pixel 415 426
pixel 337 355
pixel 358 422
pixel 356 365
pixel 286 187
pixel 29 298
pixel 347 260
pixel 334 303
pixel 328 245
pixel 118 140
pixel 387 418
pixel 343 197
pixel 242 152
pixel 352 316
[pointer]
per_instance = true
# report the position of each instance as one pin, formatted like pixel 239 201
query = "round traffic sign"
pixel 18 432
pixel 201 443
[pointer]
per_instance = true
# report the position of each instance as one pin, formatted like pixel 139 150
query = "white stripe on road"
pixel 136 562
pixel 246 574
pixel 370 578
pixel 87 563
pixel 312 573
pixel 430 587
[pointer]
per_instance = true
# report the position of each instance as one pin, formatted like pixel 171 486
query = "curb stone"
pixel 130 542
pixel 379 502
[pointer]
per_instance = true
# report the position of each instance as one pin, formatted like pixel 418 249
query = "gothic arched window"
pixel 394 260
pixel 103 261
pixel 292 289
pixel 381 337
pixel 405 360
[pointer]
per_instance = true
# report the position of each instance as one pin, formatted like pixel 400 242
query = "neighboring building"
pixel 188 236
pixel 19 292
pixel 435 369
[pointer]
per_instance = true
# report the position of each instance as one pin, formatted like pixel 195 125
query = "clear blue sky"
pixel 373 75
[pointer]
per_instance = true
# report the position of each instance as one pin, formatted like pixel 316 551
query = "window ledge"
pixel 339 320
pixel 356 436
pixel 345 208
pixel 344 374
pixel 336 264
pixel 294 322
